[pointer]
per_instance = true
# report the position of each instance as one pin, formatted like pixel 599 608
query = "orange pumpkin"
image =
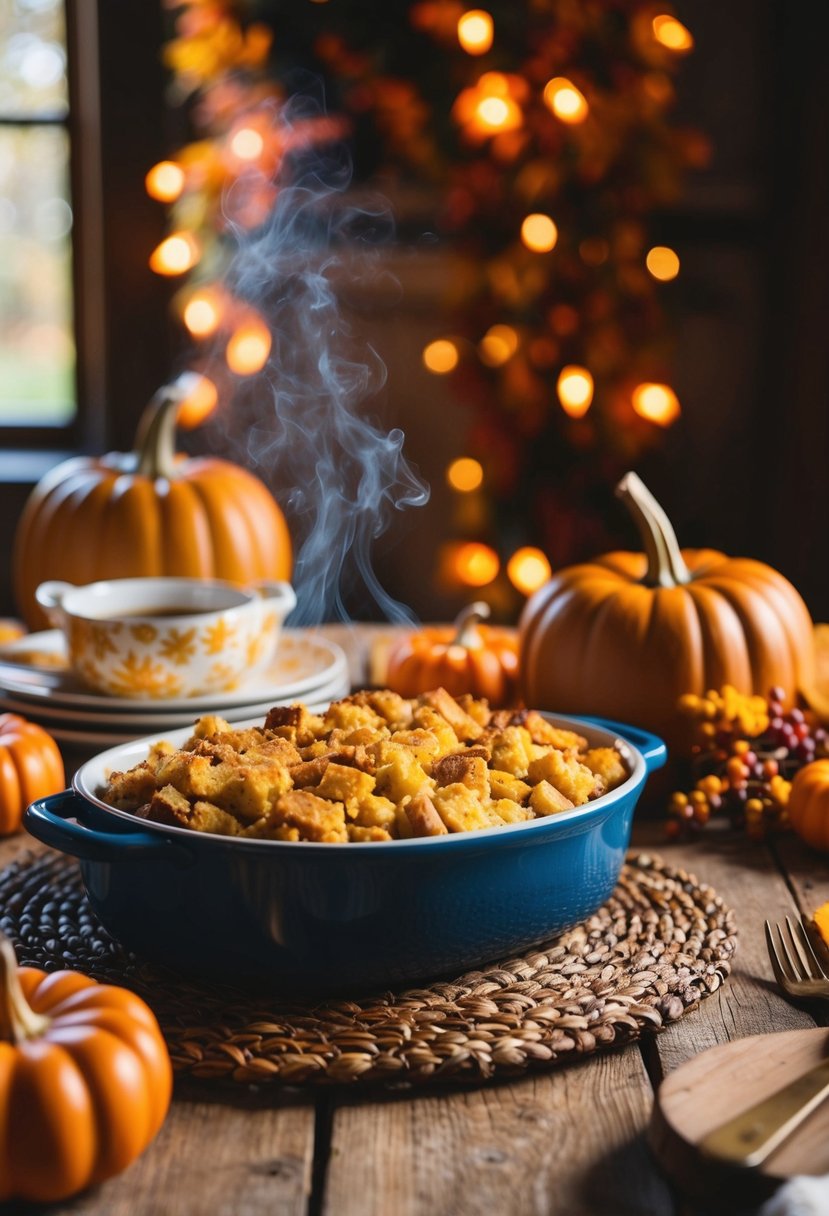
pixel 466 657
pixel 148 512
pixel 626 635
pixel 808 804
pixel 30 767
pixel 85 1081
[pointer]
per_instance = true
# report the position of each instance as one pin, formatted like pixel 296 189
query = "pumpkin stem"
pixel 18 1020
pixel 466 626
pixel 155 444
pixel 666 567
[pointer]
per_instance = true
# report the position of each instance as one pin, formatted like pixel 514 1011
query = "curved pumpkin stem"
pixel 155 439
pixel 666 567
pixel 18 1020
pixel 466 626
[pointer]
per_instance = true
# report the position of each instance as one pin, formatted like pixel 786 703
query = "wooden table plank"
pixel 565 1142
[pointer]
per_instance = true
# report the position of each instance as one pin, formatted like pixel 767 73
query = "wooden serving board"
pixel 723 1082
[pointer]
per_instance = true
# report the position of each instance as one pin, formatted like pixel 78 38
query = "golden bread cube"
pixel 422 742
pixel 511 750
pixel 504 785
pixel 607 764
pixel 343 784
pixel 423 818
pixel 563 770
pixel 402 776
pixel 460 808
pixel 464 726
pixel 316 818
pixel 358 833
pixel 506 810
pixel 467 770
pixel 428 719
pixel 545 799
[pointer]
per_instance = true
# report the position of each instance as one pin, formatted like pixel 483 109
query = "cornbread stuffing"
pixel 373 767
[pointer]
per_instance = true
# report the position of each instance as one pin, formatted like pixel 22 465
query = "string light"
pixel 465 474
pixel 247 144
pixel 499 344
pixel 656 402
pixel 528 569
pixel 476 564
pixel 672 34
pixel 175 255
pixel 539 233
pixel 199 403
pixel 248 348
pixel 165 181
pixel 575 390
pixel 475 31
pixel 662 263
pixel 440 356
pixel 202 314
pixel 565 101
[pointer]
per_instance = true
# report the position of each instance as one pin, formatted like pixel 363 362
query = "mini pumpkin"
pixel 808 804
pixel 627 634
pixel 466 657
pixel 30 767
pixel 85 1080
pixel 148 512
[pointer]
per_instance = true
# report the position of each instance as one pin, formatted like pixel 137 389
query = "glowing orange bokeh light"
pixel 672 34
pixel 475 31
pixel 465 474
pixel 662 263
pixel 440 356
pixel 175 255
pixel 498 345
pixel 248 348
pixel 202 314
pixel 539 233
pixel 199 403
pixel 656 402
pixel 247 144
pixel 565 101
pixel 528 569
pixel 575 390
pixel 476 564
pixel 165 181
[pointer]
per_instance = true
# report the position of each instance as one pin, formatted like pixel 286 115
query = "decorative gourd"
pixel 148 512
pixel 85 1081
pixel 808 804
pixel 626 635
pixel 30 767
pixel 465 657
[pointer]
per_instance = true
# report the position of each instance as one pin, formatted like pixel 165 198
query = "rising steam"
pixel 339 476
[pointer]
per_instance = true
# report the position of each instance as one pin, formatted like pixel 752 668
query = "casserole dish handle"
pixel 50 820
pixel 654 752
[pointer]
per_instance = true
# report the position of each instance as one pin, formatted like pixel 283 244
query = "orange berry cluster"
pixel 744 751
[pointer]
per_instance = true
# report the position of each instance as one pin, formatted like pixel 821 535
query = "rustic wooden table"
pixel 569 1141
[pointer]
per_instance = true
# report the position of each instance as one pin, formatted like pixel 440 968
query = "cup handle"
pixel 50 597
pixel 282 594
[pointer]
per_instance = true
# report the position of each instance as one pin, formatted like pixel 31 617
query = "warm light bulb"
pixel 465 474
pixel 248 349
pixel 499 343
pixel 575 390
pixel 165 181
pixel 476 564
pixel 493 112
pixel 247 144
pixel 672 34
pixel 475 31
pixel 202 314
pixel 199 403
pixel 528 569
pixel 663 263
pixel 440 356
pixel 539 233
pixel 175 255
pixel 656 402
pixel 565 100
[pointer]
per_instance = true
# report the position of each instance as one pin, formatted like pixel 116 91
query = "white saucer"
pixel 303 663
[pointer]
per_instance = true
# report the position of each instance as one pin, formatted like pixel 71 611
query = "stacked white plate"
pixel 36 683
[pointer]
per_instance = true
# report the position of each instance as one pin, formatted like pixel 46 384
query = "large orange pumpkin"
pixel 85 1081
pixel 148 512
pixel 808 805
pixel 626 635
pixel 31 767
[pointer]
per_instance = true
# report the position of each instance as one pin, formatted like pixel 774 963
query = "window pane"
pixel 37 356
pixel 32 57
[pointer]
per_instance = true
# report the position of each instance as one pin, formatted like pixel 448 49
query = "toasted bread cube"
pixel 460 808
pixel 422 742
pixel 347 716
pixel 251 790
pixel 504 785
pixel 295 723
pixel 468 770
pixel 423 817
pixel 389 705
pixel 359 834
pixel 316 818
pixel 428 719
pixel 607 764
pixel 364 735
pixel 511 750
pixel 506 810
pixel 132 789
pixel 402 776
pixel 464 726
pixel 477 708
pixel 542 731
pixel 168 806
pixel 207 817
pixel 191 774
pixel 206 727
pixel 545 799
pixel 375 811
pixel 566 772
pixel 343 784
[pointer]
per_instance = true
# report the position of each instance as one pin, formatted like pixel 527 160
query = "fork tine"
pixel 776 966
pixel 804 971
pixel 815 957
pixel 784 957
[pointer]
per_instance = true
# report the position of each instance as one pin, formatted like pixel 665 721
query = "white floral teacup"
pixel 163 638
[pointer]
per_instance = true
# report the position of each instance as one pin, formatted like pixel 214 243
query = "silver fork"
pixel 753 1135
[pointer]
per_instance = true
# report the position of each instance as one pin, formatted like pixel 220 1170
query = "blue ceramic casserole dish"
pixel 336 917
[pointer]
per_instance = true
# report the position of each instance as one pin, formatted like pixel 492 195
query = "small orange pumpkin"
pixel 808 804
pixel 466 657
pixel 148 512
pixel 626 635
pixel 85 1080
pixel 30 767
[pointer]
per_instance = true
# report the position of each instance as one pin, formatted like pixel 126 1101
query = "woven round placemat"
pixel 660 944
